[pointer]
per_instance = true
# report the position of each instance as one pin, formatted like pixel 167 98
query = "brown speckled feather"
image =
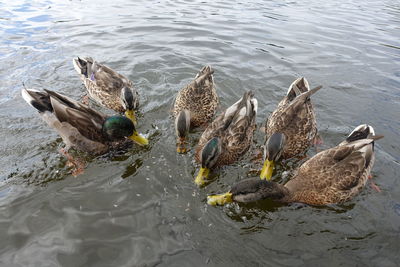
pixel 104 85
pixel 334 175
pixel 235 127
pixel 199 97
pixel 295 118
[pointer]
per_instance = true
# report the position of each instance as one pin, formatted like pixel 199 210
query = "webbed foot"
pixel 77 165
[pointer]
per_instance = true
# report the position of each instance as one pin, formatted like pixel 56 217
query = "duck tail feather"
pixel 37 99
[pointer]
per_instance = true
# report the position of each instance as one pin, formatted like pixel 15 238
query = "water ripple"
pixel 140 207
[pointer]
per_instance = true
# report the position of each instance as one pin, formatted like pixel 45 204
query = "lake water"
pixel 141 208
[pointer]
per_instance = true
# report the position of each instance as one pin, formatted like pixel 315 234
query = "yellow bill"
pixel 130 114
pixel 220 199
pixel 203 173
pixel 181 146
pixel 267 169
pixel 181 149
pixel 137 138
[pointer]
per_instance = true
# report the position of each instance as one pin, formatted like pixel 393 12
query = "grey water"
pixel 141 207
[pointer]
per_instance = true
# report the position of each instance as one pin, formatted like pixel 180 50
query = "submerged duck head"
pixel 119 127
pixel 273 149
pixel 209 157
pixel 182 127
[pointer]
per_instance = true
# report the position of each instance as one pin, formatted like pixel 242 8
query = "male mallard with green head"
pixel 80 126
pixel 107 87
pixel 228 137
pixel 332 176
pixel 291 128
pixel 194 105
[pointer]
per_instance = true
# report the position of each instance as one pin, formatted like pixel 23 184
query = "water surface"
pixel 141 208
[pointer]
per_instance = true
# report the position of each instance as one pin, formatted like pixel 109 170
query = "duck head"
pixel 273 149
pixel 209 157
pixel 129 101
pixel 119 127
pixel 182 127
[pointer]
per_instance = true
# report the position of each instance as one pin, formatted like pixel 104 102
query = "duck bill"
pixel 220 199
pixel 267 169
pixel 203 174
pixel 180 147
pixel 138 139
pixel 130 114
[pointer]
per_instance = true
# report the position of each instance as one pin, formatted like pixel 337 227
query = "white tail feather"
pixel 76 65
pixel 363 127
pixel 255 105
pixel 27 97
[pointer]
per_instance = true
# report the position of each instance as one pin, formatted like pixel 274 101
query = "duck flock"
pixel 334 175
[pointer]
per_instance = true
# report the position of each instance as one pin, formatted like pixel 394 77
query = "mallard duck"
pixel 107 87
pixel 79 125
pixel 194 105
pixel 228 137
pixel 291 128
pixel 332 176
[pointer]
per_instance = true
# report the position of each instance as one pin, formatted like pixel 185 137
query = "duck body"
pixel 295 119
pixel 194 105
pixel 80 126
pixel 332 176
pixel 228 137
pixel 107 87
pixel 291 128
pixel 199 98
pixel 234 128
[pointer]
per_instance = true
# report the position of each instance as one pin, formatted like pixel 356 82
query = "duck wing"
pixel 85 119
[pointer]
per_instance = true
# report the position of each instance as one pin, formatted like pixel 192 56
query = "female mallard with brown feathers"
pixel 228 137
pixel 291 128
pixel 332 176
pixel 107 87
pixel 79 125
pixel 194 105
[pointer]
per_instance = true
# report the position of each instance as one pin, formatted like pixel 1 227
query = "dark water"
pixel 141 208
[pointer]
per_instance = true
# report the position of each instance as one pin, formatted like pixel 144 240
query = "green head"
pixel 273 149
pixel 119 127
